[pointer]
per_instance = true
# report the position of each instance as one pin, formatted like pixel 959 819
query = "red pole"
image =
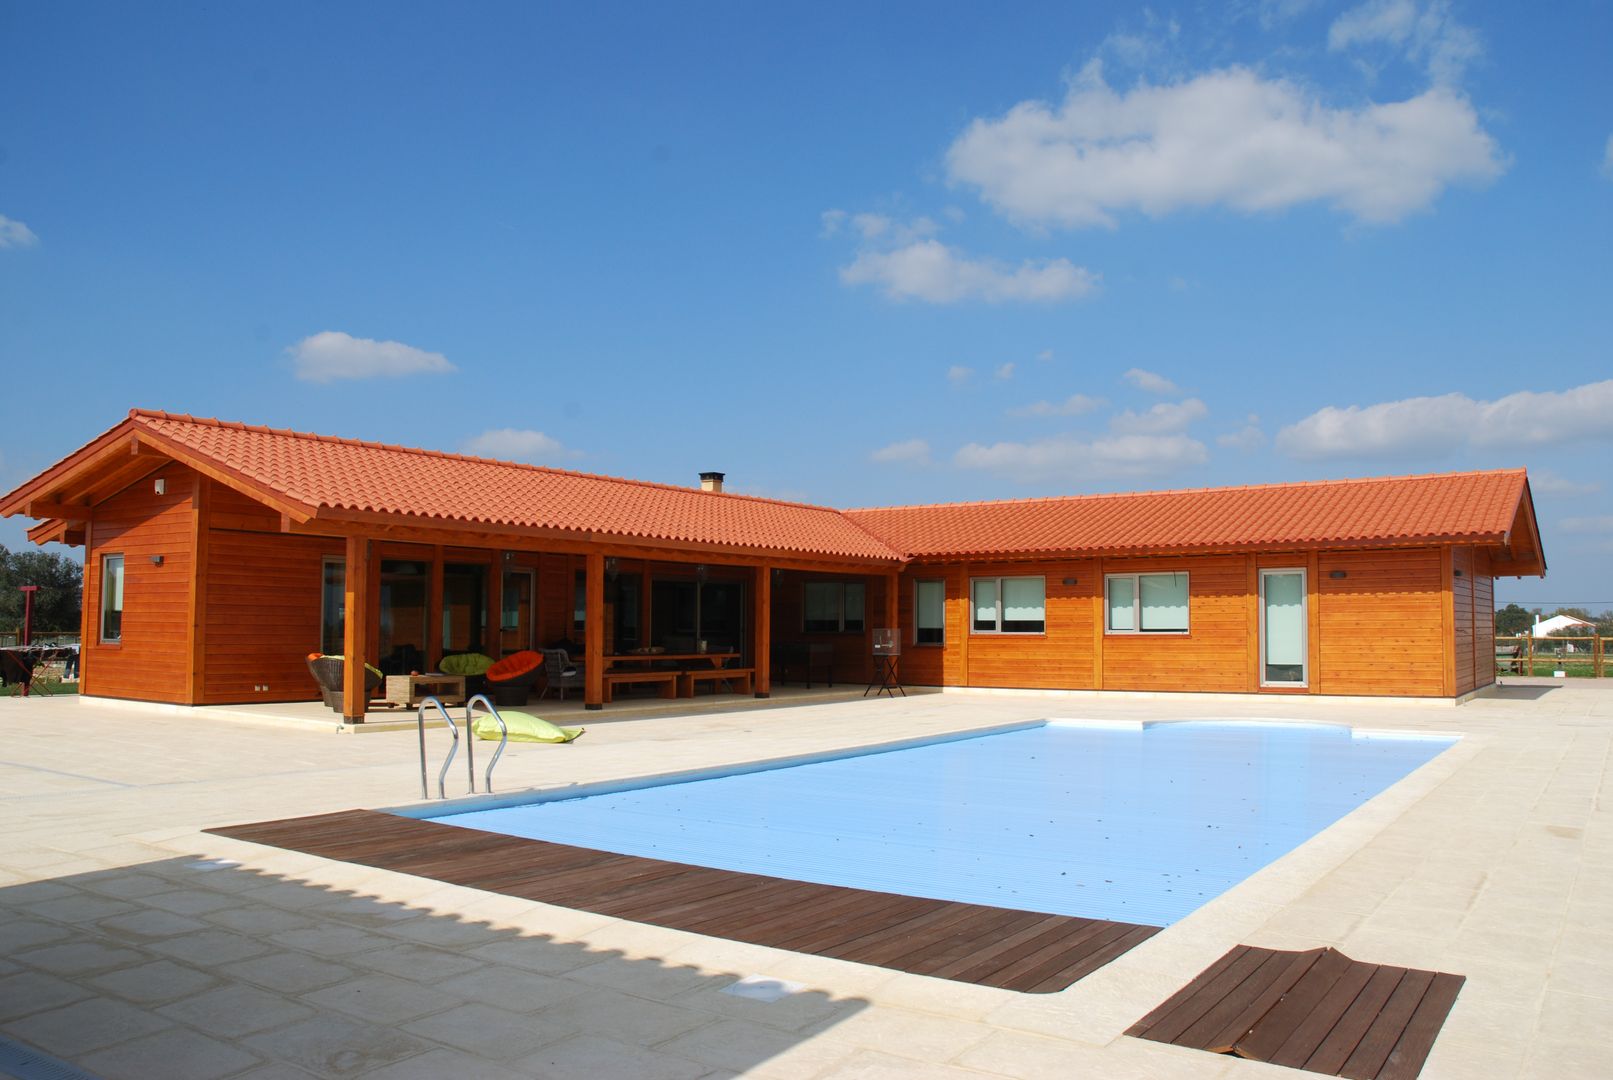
pixel 27 623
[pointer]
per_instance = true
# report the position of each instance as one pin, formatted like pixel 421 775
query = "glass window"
pixel 333 608
pixel 929 612
pixel 1015 605
pixel 111 598
pixel 1147 603
pixel 831 606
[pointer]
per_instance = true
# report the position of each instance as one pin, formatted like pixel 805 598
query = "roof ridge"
pixel 237 425
pixel 1520 472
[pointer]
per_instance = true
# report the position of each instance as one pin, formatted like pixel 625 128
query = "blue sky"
pixel 851 254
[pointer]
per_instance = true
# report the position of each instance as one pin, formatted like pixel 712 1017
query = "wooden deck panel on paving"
pixel 1029 952
pixel 1317 1010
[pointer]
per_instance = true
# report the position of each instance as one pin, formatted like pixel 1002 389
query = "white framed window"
pixel 929 612
pixel 1008 605
pixel 829 607
pixel 333 606
pixel 111 599
pixel 1145 603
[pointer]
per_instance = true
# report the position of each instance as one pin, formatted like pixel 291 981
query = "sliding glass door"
pixel 1283 643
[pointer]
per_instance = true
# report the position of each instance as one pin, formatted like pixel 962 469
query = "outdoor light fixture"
pixel 1337 574
pixel 1458 573
pixel 1069 581
pixel 156 560
pixel 162 486
pixel 700 572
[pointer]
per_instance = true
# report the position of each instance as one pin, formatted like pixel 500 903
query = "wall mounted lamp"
pixel 161 486
pixel 156 560
pixel 1069 581
pixel 1337 574
pixel 1458 573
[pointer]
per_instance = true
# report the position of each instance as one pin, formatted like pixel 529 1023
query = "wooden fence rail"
pixel 41 637
pixel 1524 654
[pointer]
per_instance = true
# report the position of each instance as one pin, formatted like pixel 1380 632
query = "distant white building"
pixel 1546 627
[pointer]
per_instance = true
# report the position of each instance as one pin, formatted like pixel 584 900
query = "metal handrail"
pixel 442 777
pixel 504 738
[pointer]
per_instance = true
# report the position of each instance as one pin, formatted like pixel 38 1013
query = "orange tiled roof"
pixel 1448 507
pixel 321 472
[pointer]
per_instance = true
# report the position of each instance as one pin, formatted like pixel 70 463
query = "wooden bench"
pixel 667 679
pixel 741 675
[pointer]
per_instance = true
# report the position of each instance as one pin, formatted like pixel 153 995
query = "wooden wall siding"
pixel 1483 619
pixel 1060 658
pixel 922 665
pixel 263 615
pixel 229 509
pixel 1213 655
pixel 1381 623
pixel 1463 610
pixel 152 662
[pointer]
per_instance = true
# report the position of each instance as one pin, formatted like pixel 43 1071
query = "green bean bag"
pixel 470 663
pixel 524 727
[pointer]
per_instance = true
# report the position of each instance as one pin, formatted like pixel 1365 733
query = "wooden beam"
pixel 49 508
pixel 356 637
pixel 196 599
pixel 762 618
pixel 89 612
pixel 594 633
pixel 120 477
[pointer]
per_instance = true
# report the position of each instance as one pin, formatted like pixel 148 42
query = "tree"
pixel 56 604
pixel 1512 620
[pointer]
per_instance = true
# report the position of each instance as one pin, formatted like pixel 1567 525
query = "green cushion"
pixel 472 663
pixel 524 727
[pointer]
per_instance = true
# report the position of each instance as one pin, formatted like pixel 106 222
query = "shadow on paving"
pixel 191 968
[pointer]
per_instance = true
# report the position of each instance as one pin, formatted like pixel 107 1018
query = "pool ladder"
pixel 470 744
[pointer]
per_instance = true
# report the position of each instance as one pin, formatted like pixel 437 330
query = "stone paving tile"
pixel 381 998
pixel 490 1032
pixel 175 1054
pixel 80 957
pixel 158 981
pixel 80 909
pixel 605 1059
pixel 910 1034
pixel 146 925
pixel 512 989
pixel 131 886
pixel 330 940
pixel 422 963
pixel 540 954
pixel 289 972
pixel 259 919
pixel 190 901
pixel 23 933
pixel 876 1065
pixel 232 1011
pixel 34 991
pixel 445 1065
pixel 208 947
pixel 758 1050
pixel 334 1046
pixel 85 1026
pixel 652 980
pixel 622 1016
pixel 1030 1056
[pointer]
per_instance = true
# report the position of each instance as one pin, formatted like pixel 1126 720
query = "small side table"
pixel 409 691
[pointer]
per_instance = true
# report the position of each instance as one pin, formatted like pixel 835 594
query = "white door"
pixel 1283 644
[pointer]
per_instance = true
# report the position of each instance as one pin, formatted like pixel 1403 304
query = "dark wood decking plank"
pixel 1141 1029
pixel 1341 1042
pixel 1006 947
pixel 1297 1004
pixel 1387 1027
pixel 1220 1028
pixel 1314 1029
pixel 1406 1060
pixel 1209 994
pixel 1083 964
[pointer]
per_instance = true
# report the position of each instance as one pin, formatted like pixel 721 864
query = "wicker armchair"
pixel 330 671
pixel 561 673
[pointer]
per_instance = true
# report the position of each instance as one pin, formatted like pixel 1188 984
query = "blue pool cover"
pixel 1134 824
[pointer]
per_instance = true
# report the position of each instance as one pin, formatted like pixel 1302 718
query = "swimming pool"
pixel 1139 823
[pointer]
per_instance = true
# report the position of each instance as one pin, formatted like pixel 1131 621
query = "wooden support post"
pixel 762 618
pixel 357 631
pixel 434 601
pixel 594 632
pixel 89 614
pixel 197 600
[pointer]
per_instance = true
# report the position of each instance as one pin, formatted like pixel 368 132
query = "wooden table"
pixel 670 680
pixel 410 690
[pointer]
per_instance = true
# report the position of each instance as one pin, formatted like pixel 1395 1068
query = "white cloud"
pixel 1005 371
pixel 957 374
pixel 1149 382
pixel 331 355
pixel 830 221
pixel 1587 525
pixel 907 452
pixel 1450 421
pixel 1247 438
pixel 1071 459
pixel 1229 137
pixel 14 234
pixel 1547 482
pixel 1163 419
pixel 929 270
pixel 517 444
pixel 1045 355
pixel 1607 159
pixel 1074 405
pixel 1425 33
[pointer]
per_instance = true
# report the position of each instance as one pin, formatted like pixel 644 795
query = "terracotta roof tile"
pixel 321 472
pixel 1447 507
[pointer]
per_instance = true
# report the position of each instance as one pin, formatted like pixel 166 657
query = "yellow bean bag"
pixel 524 727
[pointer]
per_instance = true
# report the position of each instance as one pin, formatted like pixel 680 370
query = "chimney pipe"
pixel 711 481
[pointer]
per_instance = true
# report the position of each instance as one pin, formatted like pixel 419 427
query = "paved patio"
pixel 132 945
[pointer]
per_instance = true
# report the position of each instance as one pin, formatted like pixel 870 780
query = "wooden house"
pixel 218 556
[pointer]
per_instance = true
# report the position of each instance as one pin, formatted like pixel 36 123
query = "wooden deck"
pixel 1014 950
pixel 1316 1010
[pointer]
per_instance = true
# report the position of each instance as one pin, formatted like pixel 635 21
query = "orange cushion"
pixel 514 665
